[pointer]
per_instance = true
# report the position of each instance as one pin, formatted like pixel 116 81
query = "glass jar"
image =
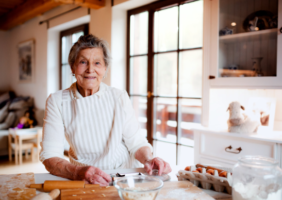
pixel 256 178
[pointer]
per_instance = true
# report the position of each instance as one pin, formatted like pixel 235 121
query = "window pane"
pixel 185 156
pixel 166 29
pixel 140 107
pixel 165 119
pixel 165 151
pixel 138 76
pixel 67 78
pixel 191 25
pixel 66 46
pixel 190 117
pixel 190 73
pixel 139 33
pixel 166 74
pixel 76 36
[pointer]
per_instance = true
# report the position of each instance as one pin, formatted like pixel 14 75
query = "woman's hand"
pixel 157 163
pixel 92 175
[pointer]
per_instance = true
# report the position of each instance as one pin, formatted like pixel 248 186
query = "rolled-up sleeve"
pixel 131 128
pixel 52 144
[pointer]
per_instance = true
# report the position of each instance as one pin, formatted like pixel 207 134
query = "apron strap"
pixel 66 96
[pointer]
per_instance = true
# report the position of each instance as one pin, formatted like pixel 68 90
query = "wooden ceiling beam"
pixel 93 4
pixel 28 10
pixel 32 8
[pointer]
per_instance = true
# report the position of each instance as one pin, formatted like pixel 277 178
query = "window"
pixel 164 78
pixel 67 39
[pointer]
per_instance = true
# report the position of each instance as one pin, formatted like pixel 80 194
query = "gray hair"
pixel 89 41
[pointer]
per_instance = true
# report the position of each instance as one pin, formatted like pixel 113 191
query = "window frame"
pixel 85 29
pixel 151 9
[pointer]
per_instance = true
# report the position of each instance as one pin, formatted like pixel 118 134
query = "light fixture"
pixel 233 24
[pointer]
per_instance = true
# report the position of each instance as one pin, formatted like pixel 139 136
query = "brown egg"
pixel 199 169
pixel 187 168
pixel 196 171
pixel 210 171
pixel 223 174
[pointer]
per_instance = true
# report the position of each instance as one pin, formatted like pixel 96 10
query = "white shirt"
pixel 102 129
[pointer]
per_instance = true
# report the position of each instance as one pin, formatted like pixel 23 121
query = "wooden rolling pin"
pixel 51 185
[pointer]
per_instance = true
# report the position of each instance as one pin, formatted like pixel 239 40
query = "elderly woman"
pixel 97 120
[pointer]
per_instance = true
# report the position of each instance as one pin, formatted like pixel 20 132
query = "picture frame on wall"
pixel 263 108
pixel 26 65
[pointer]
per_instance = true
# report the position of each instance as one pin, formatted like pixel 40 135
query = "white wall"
pixel 4 66
pixel 37 88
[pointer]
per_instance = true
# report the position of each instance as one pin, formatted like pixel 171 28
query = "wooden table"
pixel 40 178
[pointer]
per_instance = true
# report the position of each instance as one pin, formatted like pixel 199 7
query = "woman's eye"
pixel 97 63
pixel 83 62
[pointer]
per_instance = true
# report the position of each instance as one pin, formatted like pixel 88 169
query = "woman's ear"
pixel 243 108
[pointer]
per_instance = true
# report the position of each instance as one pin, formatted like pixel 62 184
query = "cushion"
pixel 4 98
pixel 4 112
pixel 21 103
pixel 9 121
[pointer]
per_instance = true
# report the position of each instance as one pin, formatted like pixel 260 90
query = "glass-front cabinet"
pixel 244 42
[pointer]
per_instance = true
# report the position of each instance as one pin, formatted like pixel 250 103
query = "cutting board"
pixel 16 186
pixel 176 190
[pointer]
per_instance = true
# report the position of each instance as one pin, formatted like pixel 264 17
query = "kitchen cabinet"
pixel 243 43
pixel 223 148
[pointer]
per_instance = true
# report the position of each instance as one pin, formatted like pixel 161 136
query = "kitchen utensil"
pixel 257 66
pixel 138 187
pixel 43 196
pixel 172 190
pixel 51 185
pixel 15 186
pixel 256 177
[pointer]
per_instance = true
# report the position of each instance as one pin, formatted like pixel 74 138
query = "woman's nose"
pixel 91 68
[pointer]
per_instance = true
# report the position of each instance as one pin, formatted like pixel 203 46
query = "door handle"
pixel 150 94
pixel 236 151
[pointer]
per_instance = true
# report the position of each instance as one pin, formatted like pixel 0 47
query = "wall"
pixel 4 55
pixel 220 99
pixel 37 88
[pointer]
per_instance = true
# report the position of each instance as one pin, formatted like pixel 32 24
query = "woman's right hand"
pixel 92 175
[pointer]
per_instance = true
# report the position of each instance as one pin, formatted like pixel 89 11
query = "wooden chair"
pixel 24 139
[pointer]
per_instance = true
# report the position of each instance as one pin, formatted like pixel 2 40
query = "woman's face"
pixel 90 68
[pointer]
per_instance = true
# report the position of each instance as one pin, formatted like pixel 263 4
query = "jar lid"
pixel 258 161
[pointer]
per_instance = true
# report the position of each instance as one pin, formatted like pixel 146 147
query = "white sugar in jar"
pixel 257 178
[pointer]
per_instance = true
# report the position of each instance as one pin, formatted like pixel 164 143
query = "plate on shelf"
pixel 260 20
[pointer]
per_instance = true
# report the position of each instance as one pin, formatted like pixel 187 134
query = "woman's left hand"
pixel 157 163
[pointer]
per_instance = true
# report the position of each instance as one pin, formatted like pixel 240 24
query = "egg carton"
pixel 207 181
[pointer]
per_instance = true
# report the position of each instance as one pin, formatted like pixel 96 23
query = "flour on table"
pixel 182 194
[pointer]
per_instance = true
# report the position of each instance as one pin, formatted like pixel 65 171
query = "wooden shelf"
pixel 236 73
pixel 249 35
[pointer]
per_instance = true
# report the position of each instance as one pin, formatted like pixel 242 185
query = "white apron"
pixel 93 144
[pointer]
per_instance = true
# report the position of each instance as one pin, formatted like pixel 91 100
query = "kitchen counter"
pixel 262 134
pixel 40 178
